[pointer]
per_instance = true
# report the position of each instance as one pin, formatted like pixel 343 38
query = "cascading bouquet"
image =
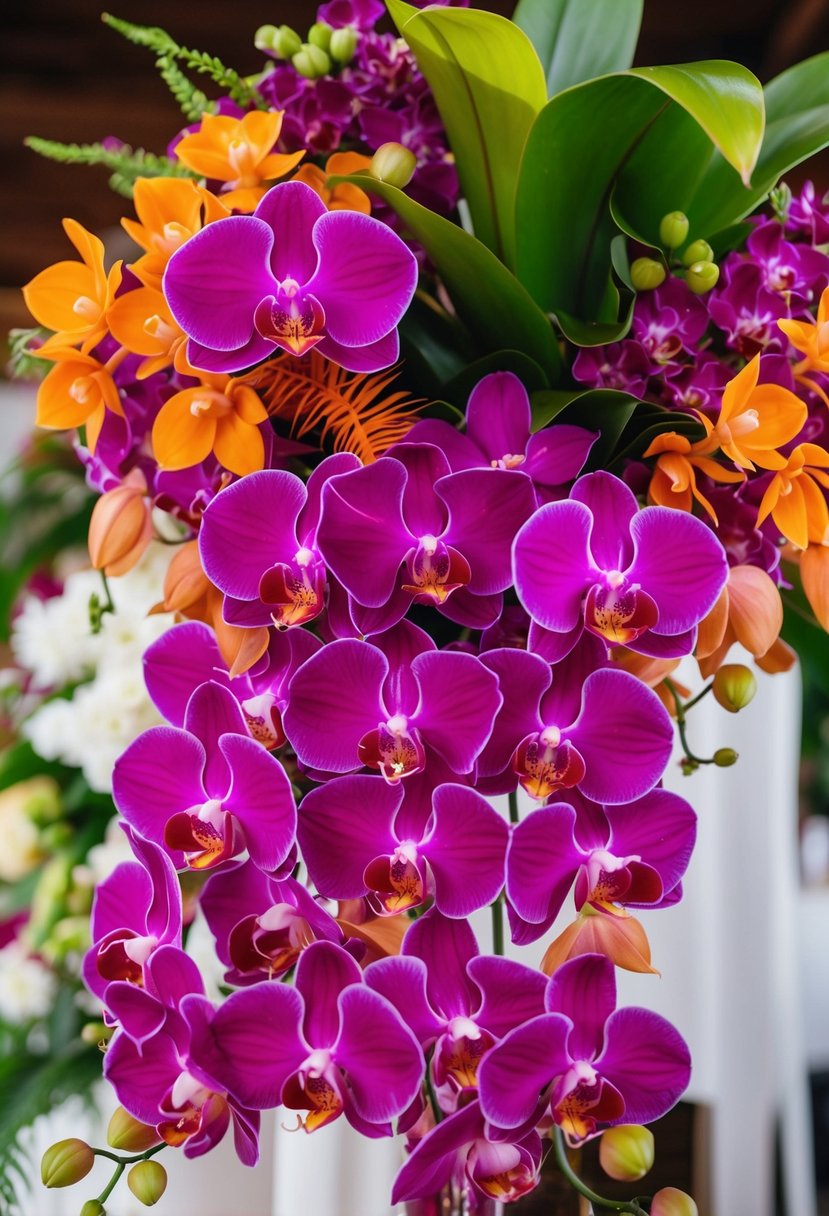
pixel 463 452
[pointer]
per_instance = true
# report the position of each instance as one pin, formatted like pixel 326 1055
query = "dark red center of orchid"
pixel 545 763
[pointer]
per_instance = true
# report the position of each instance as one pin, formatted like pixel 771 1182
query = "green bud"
pixel 702 276
pixel 781 199
pixel 626 1152
pixel 96 1032
pixel 320 35
pixel 734 686
pixel 724 757
pixel 311 61
pixel 343 44
pixel 394 164
pixel 147 1181
pixel 93 1207
pixel 646 274
pixel 66 1162
pixel 671 1202
pixel 673 229
pixel 688 766
pixel 288 42
pixel 129 1135
pixel 266 38
pixel 697 251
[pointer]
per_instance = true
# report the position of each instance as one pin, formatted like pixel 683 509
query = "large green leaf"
pixel 797 113
pixel 586 140
pixel 577 41
pixel 498 312
pixel 489 86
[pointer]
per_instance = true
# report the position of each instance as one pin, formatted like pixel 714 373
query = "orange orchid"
pixel 220 415
pixel 674 480
pixel 811 338
pixel 77 392
pixel 72 298
pixel 749 611
pixel 239 152
pixel 344 196
pixel 756 419
pixel 121 526
pixel 170 210
pixel 142 322
pixel 794 498
pixel 814 575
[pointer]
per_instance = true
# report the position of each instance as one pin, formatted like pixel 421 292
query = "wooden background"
pixel 66 76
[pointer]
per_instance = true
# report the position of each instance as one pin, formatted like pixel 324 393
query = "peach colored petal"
pixel 779 657
pixel 712 627
pixel 789 513
pixel 620 938
pixel 755 608
pixel 238 445
pixel 181 438
pixel 240 648
pixel 383 936
pixel 714 661
pixel 814 574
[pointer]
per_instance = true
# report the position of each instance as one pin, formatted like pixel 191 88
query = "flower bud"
pixel 147 1181
pixel 96 1032
pixel 626 1152
pixel 724 757
pixel 697 251
pixel 673 229
pixel 734 686
pixel 393 163
pixel 320 35
pixel 286 43
pixel 66 1162
pixel 93 1207
pixel 128 1134
pixel 343 44
pixel 646 274
pixel 702 276
pixel 121 526
pixel 266 38
pixel 671 1202
pixel 311 61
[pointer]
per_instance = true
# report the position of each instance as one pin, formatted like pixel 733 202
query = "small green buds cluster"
pixel 65 1163
pixel 702 276
pixel 673 229
pixel 283 42
pixel 311 61
pixel 128 1134
pixel 343 45
pixel 394 164
pixel 672 1202
pixel 148 1181
pixel 647 274
pixel 323 47
pixel 626 1152
pixel 734 687
pixel 697 251
pixel 93 1207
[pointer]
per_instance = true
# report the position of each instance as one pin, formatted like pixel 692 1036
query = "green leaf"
pixel 526 369
pixel 605 410
pixel 498 312
pixel 577 41
pixel 797 113
pixel 630 122
pixel 489 86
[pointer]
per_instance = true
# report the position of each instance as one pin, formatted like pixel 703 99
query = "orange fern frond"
pixel 354 411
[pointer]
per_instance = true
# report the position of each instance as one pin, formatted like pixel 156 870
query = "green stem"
pixel 497 926
pixel 513 806
pixel 681 721
pixel 110 1187
pixel 430 1090
pixel 119 1160
pixel 618 1205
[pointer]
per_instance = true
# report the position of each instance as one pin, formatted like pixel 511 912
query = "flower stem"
pixel 618 1205
pixel 513 806
pixel 497 926
pixel 681 721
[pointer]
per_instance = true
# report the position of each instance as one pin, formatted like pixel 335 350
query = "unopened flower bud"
pixel 320 35
pixel 702 276
pixel 93 1207
pixel 626 1152
pixel 147 1181
pixel 128 1134
pixel 66 1163
pixel 697 251
pixel 311 61
pixel 286 42
pixel 121 526
pixel 673 229
pixel 734 687
pixel 266 38
pixel 343 44
pixel 724 757
pixel 671 1202
pixel 646 274
pixel 96 1032
pixel 393 163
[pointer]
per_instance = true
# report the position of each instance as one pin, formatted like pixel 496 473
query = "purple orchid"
pixel 638 861
pixel 207 791
pixel 593 1065
pixel 621 365
pixel 458 1153
pixel 149 1064
pixel 456 1001
pixel 668 322
pixel 388 703
pixel 258 545
pixel 580 725
pixel 498 436
pixel 405 529
pixel 637 578
pixel 353 847
pixel 292 276
pixel 327 1046
pixel 136 910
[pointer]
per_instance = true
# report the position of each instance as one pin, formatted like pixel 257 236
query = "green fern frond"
pixel 125 163
pixel 192 101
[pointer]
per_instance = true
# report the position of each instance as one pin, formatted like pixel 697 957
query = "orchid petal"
pixel 445 946
pixel 662 827
pixel 613 506
pixel 213 711
pixel 584 990
pixel 512 993
pixel 486 509
pixel 343 825
pixel 434 1159
pixel 290 211
pixel 552 566
pixel 324 970
pixel 523 678
pixel 158 776
pixel 498 415
pixel 680 563
pixel 380 1055
pixel 465 850
pixel 519 1068
pixel 541 863
pixel 261 798
pixel 647 1060
pixel 459 705
pixel 402 981
pixel 182 658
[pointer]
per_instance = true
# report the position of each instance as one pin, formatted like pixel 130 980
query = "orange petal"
pixel 738 390
pixel 383 936
pixel 185 582
pixel 341 163
pixel 779 657
pixel 238 445
pixel 755 608
pixel 620 938
pixel 51 297
pixel 246 402
pixel 814 574
pixel 240 648
pixel 790 515
pixel 712 627
pixel 180 438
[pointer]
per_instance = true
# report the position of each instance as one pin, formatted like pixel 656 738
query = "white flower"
pixel 27 987
pixel 21 850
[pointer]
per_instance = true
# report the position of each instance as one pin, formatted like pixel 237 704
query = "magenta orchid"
pixel 292 276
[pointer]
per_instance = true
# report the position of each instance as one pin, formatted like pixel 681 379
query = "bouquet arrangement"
pixel 474 393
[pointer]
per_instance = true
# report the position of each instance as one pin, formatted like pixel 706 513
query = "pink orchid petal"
pixel 552 565
pixel 466 850
pixel 380 1055
pixel 324 970
pixel 261 798
pixel 584 990
pixel 460 699
pixel 343 825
